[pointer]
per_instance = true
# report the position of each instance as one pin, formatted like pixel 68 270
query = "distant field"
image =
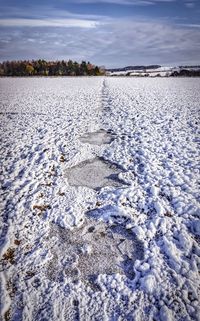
pixel 99 199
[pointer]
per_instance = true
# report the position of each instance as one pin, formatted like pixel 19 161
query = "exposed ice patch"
pixel 97 138
pixel 94 173
pixel 93 249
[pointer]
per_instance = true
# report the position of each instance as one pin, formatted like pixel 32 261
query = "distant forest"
pixel 49 68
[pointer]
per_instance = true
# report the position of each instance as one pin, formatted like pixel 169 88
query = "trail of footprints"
pixel 96 247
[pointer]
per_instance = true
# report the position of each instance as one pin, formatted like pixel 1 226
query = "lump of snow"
pixel 151 230
pixel 163 225
pixel 5 298
pixel 106 213
pixel 165 314
pixel 154 191
pixel 148 283
pixel 144 267
pixel 140 233
pixel 173 254
pixel 185 241
pixel 159 208
pixel 195 227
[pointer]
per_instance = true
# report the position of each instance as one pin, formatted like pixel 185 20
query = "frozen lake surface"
pixel 100 199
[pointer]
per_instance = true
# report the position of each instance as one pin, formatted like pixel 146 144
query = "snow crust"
pixel 155 213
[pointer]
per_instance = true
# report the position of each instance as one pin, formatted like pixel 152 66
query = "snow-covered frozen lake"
pixel 100 199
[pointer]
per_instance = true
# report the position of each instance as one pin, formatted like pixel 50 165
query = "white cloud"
pixel 191 25
pixel 190 5
pixel 105 41
pixel 124 2
pixel 66 23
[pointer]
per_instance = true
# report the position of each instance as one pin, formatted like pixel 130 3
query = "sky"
pixel 110 33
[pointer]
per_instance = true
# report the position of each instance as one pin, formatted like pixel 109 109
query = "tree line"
pixel 49 68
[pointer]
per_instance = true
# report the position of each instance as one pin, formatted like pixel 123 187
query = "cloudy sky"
pixel 113 33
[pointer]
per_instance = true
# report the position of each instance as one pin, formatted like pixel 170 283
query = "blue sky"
pixel 113 33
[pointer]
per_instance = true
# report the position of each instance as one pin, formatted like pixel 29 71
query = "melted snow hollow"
pixel 99 199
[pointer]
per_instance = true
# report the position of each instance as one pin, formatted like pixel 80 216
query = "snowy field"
pixel 99 199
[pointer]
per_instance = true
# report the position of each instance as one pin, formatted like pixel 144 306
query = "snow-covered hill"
pixel 161 71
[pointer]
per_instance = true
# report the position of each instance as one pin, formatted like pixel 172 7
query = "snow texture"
pixel 99 199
